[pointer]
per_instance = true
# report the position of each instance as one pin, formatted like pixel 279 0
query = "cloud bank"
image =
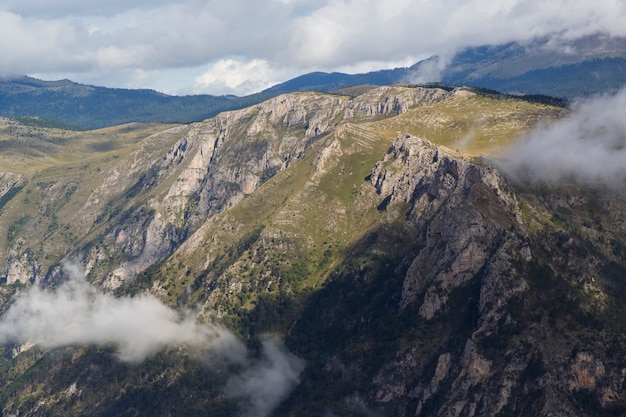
pixel 587 147
pixel 173 46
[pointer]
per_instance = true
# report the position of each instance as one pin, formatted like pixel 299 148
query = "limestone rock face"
pixel 412 279
pixel 209 167
pixel 384 101
pixel 10 182
pixel 220 161
pixel 24 269
pixel 466 222
pixel 457 212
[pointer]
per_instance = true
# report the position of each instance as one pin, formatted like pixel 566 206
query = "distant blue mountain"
pixel 548 66
pixel 91 107
pixel 323 81
pixel 551 66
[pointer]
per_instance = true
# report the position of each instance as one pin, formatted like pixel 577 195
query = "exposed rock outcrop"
pixel 474 283
pixel 461 213
pixel 220 161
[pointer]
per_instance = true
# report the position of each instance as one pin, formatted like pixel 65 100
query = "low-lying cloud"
pixel 587 147
pixel 268 382
pixel 75 313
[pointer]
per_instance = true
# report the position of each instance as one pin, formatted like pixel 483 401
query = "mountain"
pixel 328 255
pixel 322 81
pixel 91 107
pixel 552 65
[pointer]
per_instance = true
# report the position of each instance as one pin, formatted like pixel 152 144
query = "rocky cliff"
pixel 488 318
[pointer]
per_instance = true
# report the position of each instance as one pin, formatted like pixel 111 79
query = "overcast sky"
pixel 242 46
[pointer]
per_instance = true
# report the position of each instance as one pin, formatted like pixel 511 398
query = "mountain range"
pixel 76 106
pixel 553 66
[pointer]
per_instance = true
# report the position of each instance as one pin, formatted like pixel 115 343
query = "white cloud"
pixel 114 57
pixel 429 70
pixel 367 66
pixel 74 314
pixel 231 76
pixel 119 38
pixel 268 382
pixel 63 8
pixel 587 147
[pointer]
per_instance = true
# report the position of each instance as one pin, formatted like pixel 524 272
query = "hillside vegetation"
pixel 90 107
pixel 366 231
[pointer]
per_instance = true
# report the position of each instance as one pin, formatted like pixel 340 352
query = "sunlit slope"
pixel 286 238
pixel 60 186
pixel 366 232
pixel 29 148
pixel 471 123
pixel 64 187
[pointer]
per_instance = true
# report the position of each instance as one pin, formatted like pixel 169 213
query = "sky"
pixel 243 46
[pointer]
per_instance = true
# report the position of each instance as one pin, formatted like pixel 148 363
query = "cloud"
pixel 586 147
pixel 354 30
pixel 61 8
pixel 113 40
pixel 429 70
pixel 74 313
pixel 268 382
pixel 229 76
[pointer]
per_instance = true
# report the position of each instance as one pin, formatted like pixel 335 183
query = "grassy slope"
pixel 62 170
pixel 282 242
pixel 474 124
pixel 27 148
